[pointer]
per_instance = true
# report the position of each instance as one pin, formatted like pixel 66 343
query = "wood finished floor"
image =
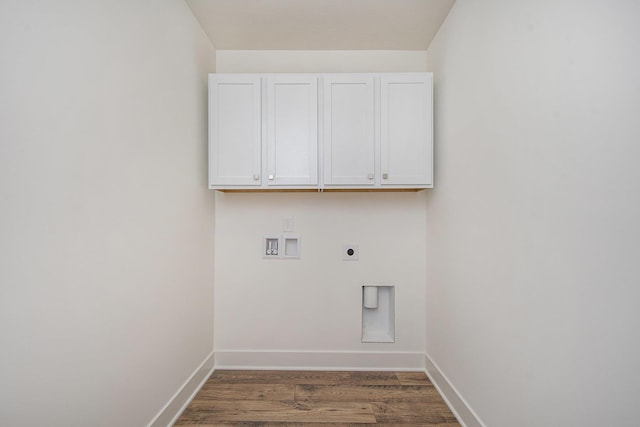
pixel 314 398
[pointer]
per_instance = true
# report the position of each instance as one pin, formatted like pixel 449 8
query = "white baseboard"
pixel 172 410
pixel 460 408
pixel 317 361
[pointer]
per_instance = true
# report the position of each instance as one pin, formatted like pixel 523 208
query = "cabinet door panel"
pixel 406 135
pixel 234 130
pixel 349 143
pixel 292 129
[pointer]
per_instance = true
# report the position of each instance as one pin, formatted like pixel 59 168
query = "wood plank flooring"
pixel 314 398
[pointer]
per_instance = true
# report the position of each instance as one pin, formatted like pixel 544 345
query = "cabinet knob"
pixel 271 177
pixel 256 177
pixel 385 176
pixel 370 176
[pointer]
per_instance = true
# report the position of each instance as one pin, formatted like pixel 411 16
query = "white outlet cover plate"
pixel 287 223
pixel 345 252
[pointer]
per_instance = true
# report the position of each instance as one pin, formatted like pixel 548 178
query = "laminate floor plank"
pixel 263 424
pixel 217 391
pixel 373 378
pixel 281 377
pixel 317 399
pixel 267 424
pixel 413 378
pixel 367 393
pixel 290 411
pixel 410 413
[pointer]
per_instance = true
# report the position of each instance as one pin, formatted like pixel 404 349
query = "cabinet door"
pixel 292 130
pixel 235 130
pixel 406 129
pixel 348 138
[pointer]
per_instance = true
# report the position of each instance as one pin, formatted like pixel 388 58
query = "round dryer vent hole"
pixel 350 252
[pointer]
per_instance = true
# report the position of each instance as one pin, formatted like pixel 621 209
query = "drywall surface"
pixel 307 312
pixel 533 236
pixel 320 61
pixel 106 224
pixel 314 304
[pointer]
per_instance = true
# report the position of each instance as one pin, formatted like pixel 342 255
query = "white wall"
pixel 106 224
pixel 320 61
pixel 307 312
pixel 533 236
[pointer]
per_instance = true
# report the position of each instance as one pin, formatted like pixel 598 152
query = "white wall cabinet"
pixel 292 130
pixel 406 136
pixel 375 132
pixel 349 130
pixel 235 131
pixel 263 131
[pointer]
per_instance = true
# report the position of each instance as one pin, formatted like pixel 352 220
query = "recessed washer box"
pixel 271 247
pixel 281 247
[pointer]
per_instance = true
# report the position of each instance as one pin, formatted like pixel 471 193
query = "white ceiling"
pixel 321 24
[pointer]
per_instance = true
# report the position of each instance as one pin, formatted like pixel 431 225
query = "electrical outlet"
pixel 350 252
